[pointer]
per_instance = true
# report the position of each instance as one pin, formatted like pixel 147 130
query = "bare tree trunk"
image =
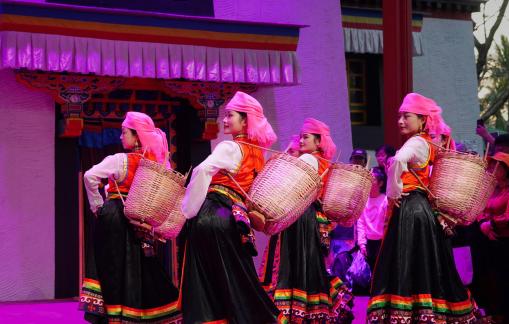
pixel 497 104
pixel 483 48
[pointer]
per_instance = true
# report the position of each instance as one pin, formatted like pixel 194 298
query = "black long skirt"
pixel 295 276
pixel 415 278
pixel 219 280
pixel 122 284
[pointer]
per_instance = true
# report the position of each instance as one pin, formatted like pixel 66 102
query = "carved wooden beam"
pixel 69 90
pixel 208 97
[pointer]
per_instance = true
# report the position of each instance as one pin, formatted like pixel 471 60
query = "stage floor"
pixel 66 312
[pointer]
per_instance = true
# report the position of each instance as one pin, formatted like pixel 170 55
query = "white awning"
pixel 371 41
pixel 58 53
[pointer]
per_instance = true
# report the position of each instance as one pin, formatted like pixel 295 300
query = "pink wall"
pixel 322 93
pixel 323 90
pixel 27 197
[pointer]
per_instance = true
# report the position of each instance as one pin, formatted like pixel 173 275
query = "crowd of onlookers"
pixel 487 239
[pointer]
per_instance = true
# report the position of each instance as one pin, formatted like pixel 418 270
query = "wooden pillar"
pixel 397 63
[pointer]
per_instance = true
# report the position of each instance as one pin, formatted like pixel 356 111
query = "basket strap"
pixel 446 221
pixel 143 154
pixel 242 190
pixel 262 148
pixel 422 183
pixel 279 152
pixel 447 149
pixel 238 185
pixel 325 173
pixel 119 193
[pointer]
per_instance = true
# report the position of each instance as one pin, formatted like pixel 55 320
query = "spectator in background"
pixel 482 131
pixel 502 143
pixel 370 226
pixel 383 153
pixel 342 235
pixel 490 247
pixel 498 143
pixel 359 157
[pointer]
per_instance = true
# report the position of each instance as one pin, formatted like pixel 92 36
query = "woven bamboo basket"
pixel 283 190
pixel 461 185
pixel 346 193
pixel 153 193
pixel 171 227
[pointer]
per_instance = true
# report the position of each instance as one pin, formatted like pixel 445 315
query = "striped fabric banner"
pixel 128 25
pixel 372 19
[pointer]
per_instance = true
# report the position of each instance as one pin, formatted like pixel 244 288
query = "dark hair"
pixel 319 138
pixel 502 140
pixel 243 115
pixel 424 119
pixel 380 175
pixel 133 131
pixel 388 150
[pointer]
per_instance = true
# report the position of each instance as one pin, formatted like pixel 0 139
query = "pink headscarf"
pixel 153 139
pixel 444 130
pixel 313 126
pixel 258 128
pixel 421 105
pixel 435 124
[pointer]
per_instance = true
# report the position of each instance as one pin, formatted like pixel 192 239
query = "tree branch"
pixel 498 103
pixel 483 49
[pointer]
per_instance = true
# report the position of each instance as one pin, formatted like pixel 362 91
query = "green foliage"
pixel 496 102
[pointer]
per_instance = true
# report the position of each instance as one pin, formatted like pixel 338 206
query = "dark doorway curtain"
pixel 101 138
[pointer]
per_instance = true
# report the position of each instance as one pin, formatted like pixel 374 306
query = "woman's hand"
pixel 483 132
pixel 397 201
pixel 488 230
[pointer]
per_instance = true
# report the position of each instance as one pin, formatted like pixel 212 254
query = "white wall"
pixel 446 73
pixel 322 93
pixel 27 192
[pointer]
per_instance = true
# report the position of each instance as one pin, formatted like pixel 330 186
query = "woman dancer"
pixel 294 271
pixel 219 282
pixel 127 283
pixel 415 279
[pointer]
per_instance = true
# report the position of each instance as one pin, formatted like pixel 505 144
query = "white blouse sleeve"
pixel 227 156
pixel 361 229
pixel 111 167
pixel 310 159
pixel 415 150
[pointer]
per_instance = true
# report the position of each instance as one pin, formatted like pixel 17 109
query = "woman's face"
pixel 234 123
pixel 409 123
pixel 308 143
pixel 381 158
pixel 128 139
pixel 376 188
